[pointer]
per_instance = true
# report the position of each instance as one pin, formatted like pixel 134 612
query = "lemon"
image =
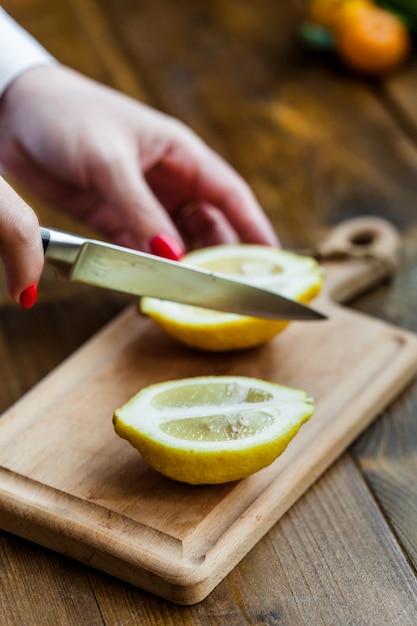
pixel 294 276
pixel 212 429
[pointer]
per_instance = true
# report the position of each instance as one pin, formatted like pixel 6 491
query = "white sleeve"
pixel 19 51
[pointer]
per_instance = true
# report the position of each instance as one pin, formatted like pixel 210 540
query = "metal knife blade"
pixel 141 274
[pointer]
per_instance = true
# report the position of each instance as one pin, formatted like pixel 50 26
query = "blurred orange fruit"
pixel 371 40
pixel 328 13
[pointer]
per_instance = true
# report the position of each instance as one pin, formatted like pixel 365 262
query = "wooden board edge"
pixel 253 525
pixel 190 582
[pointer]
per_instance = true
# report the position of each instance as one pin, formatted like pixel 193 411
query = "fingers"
pixel 224 189
pixel 142 219
pixel 20 246
pixel 189 192
pixel 205 225
pixel 190 172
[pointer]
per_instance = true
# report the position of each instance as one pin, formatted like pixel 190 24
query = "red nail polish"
pixel 167 246
pixel 28 296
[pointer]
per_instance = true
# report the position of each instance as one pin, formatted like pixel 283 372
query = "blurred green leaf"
pixel 316 37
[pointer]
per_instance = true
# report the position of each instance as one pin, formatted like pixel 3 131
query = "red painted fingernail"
pixel 167 246
pixel 28 296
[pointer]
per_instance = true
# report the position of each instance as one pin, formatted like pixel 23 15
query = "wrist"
pixel 19 51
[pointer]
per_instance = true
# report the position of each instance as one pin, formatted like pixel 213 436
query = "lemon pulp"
pixel 291 275
pixel 214 429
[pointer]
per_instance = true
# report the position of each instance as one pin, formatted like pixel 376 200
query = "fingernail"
pixel 167 246
pixel 28 296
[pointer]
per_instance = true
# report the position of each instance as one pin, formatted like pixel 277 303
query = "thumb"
pixel 20 246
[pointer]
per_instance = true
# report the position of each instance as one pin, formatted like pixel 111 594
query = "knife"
pixel 138 273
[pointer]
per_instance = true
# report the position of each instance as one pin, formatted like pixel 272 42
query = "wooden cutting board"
pixel 69 483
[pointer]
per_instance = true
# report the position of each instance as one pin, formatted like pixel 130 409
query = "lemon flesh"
pixel 214 429
pixel 291 275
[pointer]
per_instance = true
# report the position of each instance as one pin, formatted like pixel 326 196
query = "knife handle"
pixel 60 246
pixel 60 249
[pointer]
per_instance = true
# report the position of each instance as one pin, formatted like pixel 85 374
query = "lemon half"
pixel 291 275
pixel 214 429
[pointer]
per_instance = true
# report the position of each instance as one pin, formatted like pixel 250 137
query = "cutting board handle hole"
pixel 369 250
pixel 365 238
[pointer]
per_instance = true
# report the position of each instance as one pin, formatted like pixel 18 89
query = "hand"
pixel 135 175
pixel 20 245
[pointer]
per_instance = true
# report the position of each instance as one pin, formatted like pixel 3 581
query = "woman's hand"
pixel 140 178
pixel 20 245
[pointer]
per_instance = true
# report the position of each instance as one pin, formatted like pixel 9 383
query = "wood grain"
pixel 20 602
pixel 67 483
pixel 325 145
pixel 360 159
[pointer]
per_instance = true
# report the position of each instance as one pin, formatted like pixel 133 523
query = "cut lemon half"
pixel 291 275
pixel 214 429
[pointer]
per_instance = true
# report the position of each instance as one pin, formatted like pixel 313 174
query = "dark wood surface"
pixel 317 145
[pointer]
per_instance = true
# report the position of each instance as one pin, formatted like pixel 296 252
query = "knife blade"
pixel 141 274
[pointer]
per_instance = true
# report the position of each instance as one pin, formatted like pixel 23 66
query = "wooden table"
pixel 317 145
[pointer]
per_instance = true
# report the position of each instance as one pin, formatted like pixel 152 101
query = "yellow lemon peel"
pixel 297 277
pixel 212 429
